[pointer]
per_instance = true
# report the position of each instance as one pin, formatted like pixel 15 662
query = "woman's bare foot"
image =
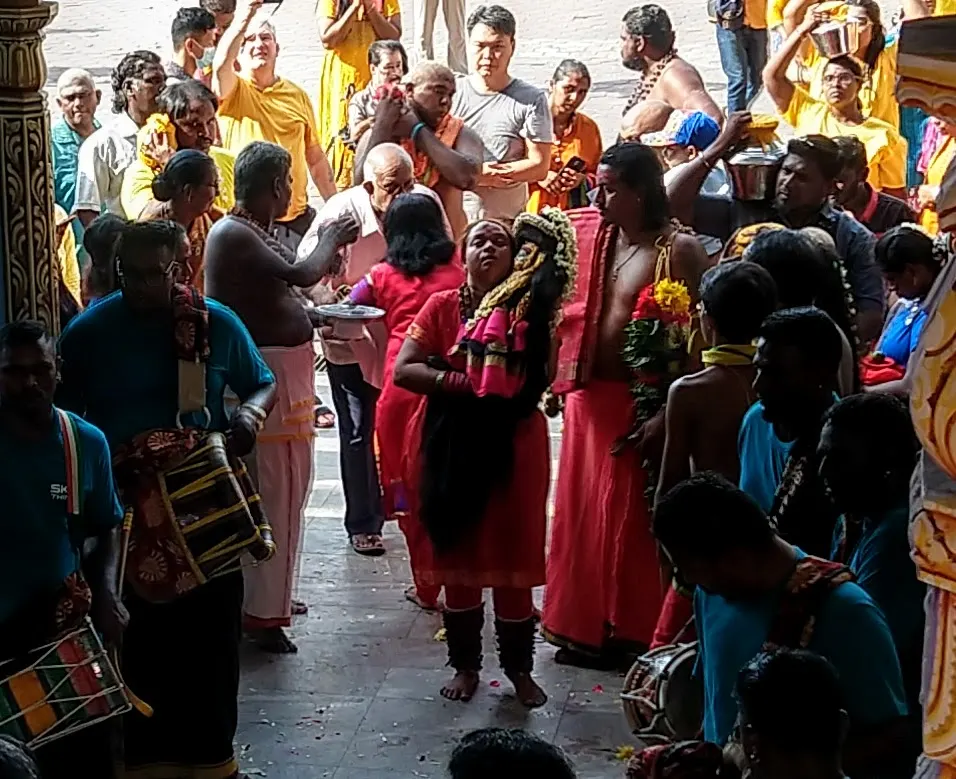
pixel 462 687
pixel 528 691
pixel 273 640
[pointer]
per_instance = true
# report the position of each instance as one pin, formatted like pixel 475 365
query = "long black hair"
pixel 806 275
pixel 415 234
pixel 468 442
pixel 878 38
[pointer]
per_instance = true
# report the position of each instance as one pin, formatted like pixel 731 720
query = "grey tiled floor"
pixel 360 699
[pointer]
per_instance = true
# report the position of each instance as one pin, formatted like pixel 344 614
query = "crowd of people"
pixel 731 370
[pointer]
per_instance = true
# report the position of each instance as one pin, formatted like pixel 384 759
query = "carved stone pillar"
pixel 30 279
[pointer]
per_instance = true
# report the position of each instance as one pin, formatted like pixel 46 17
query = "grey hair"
pixel 74 76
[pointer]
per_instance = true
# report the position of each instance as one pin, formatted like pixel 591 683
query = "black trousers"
pixel 354 400
pixel 182 658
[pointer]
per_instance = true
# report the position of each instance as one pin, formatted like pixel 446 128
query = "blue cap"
pixel 696 129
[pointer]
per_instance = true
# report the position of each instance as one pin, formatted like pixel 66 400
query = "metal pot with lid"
pixel 753 170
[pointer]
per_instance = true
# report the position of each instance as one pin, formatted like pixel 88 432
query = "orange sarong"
pixel 603 576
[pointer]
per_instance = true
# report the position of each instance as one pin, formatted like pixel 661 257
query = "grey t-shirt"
pixel 503 121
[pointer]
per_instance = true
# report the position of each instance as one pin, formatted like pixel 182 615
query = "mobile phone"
pixel 271 2
pixel 576 164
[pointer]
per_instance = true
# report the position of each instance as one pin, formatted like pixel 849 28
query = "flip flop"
pixel 412 596
pixel 299 607
pixel 324 417
pixel 367 544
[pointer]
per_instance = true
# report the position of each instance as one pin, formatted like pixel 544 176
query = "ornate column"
pixel 29 282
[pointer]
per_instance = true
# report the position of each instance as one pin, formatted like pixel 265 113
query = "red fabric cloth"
pixel 604 579
pixel 402 297
pixel 581 315
pixel 675 614
pixel 507 547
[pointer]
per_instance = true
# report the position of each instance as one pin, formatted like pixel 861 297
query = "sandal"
pixel 368 544
pixel 299 607
pixel 324 417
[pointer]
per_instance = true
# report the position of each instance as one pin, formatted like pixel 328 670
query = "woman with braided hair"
pixel 481 354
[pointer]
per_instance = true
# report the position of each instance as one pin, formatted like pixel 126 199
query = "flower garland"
pixel 655 342
pixel 157 125
pixel 554 223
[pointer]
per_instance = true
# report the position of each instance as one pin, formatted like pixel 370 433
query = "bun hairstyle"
pixel 187 167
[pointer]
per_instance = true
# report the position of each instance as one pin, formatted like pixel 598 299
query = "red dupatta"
pixel 579 325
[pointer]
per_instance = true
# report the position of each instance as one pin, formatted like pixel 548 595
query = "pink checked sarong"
pixel 282 469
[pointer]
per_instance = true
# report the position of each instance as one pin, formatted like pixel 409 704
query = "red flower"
pixel 646 306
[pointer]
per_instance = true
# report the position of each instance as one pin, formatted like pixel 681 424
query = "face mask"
pixel 205 61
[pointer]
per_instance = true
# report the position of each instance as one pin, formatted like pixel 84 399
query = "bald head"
pixel 77 97
pixel 386 159
pixel 427 71
pixel 388 172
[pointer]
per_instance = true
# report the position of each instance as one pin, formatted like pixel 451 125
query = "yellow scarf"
pixel 729 354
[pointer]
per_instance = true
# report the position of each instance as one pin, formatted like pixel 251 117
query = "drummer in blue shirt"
pixel 53 503
pixel 723 543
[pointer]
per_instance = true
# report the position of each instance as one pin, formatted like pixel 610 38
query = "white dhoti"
pixel 282 468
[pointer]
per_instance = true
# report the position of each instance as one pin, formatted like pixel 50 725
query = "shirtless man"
pixel 254 274
pixel 603 596
pixel 704 409
pixel 647 46
pixel 447 154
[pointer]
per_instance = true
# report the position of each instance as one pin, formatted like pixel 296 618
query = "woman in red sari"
pixel 419 263
pixel 477 461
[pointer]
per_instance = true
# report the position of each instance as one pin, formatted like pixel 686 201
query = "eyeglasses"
pixel 840 79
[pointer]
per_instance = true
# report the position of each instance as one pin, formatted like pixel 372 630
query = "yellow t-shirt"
pixel 878 92
pixel 775 10
pixel 885 147
pixel 945 8
pixel 935 172
pixel 137 188
pixel 281 114
pixel 755 14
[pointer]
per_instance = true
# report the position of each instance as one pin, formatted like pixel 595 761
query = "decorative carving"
pixel 31 271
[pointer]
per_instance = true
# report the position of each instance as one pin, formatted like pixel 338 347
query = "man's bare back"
pixel 704 412
pixel 238 277
pixel 630 269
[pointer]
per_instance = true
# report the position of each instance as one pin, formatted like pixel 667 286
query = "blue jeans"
pixel 743 54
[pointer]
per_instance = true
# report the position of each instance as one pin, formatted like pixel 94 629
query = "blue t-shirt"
pixel 763 457
pixel 37 553
pixel 884 568
pixel 902 332
pixel 120 368
pixel 851 632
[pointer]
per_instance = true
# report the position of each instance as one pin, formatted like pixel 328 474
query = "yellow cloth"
pixel 345 71
pixel 935 171
pixel 66 254
pixel 137 189
pixel 878 92
pixel 755 14
pixel 885 147
pixel 775 10
pixel 281 114
pixel 945 8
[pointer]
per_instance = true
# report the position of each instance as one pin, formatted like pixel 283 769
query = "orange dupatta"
pixel 447 132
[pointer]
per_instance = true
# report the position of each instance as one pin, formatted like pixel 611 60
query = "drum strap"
pixel 192 349
pixel 74 474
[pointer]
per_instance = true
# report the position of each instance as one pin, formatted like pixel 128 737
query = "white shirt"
pixel 102 160
pixel 369 249
pixel 717 183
